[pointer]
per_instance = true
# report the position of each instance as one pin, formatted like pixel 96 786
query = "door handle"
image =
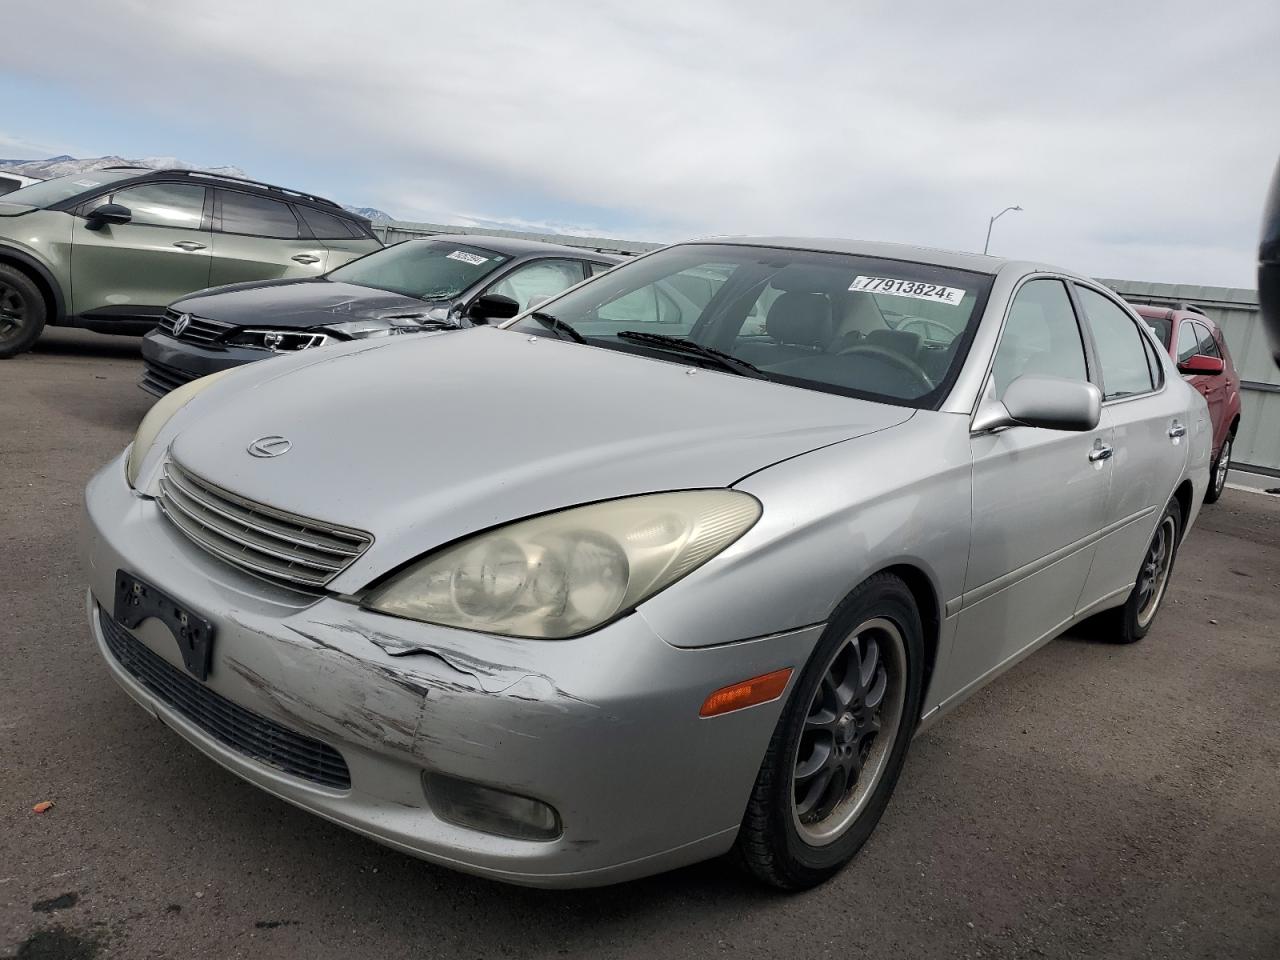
pixel 306 258
pixel 1177 430
pixel 189 245
pixel 1101 451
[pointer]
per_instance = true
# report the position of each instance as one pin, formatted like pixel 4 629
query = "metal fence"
pixel 1235 311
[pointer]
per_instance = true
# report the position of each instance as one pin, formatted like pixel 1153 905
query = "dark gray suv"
pixel 108 249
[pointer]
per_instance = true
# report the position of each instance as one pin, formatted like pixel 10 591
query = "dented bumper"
pixel 604 728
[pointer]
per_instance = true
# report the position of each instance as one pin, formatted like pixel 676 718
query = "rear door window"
pixel 257 216
pixel 1126 367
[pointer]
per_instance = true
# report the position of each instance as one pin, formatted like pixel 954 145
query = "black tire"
pixel 1132 622
pixel 22 311
pixel 770 843
pixel 1218 473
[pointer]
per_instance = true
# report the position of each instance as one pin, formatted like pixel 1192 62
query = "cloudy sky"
pixel 1139 137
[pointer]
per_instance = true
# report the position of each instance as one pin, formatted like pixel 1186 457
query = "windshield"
pixel 1162 327
pixel 889 330
pixel 48 192
pixel 428 269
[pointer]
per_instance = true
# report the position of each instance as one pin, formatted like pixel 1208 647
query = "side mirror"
pixel 1052 403
pixel 99 217
pixel 1202 363
pixel 492 306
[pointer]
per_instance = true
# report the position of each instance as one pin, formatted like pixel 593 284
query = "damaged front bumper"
pixel 604 728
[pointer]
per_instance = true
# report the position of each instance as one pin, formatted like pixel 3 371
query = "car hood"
pixel 426 439
pixel 305 302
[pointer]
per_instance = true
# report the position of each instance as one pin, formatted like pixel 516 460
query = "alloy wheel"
pixel 13 311
pixel 1154 575
pixel 849 730
pixel 1224 464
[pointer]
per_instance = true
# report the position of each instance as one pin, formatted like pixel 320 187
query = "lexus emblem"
pixel 271 446
pixel 180 325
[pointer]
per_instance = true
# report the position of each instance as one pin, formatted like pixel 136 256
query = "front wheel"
pixel 841 742
pixel 22 312
pixel 1220 468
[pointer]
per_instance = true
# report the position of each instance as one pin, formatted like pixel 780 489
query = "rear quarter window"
pixel 326 226
pixel 257 216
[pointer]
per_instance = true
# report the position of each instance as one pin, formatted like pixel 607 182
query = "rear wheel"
pixel 22 312
pixel 1221 466
pixel 841 742
pixel 1131 622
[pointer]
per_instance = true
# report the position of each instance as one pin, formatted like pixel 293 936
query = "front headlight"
pixel 565 573
pixel 159 414
pixel 390 326
pixel 279 341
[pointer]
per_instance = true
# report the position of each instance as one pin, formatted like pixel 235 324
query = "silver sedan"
pixel 676 564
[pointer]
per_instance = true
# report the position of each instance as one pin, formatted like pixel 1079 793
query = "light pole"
pixel 991 223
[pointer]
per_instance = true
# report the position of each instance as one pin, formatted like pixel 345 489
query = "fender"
pixel 10 255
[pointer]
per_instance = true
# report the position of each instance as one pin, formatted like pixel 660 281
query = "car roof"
pixel 210 178
pixel 1157 312
pixel 955 259
pixel 520 247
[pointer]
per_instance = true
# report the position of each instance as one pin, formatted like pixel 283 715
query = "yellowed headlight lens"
pixel 566 573
pixel 160 414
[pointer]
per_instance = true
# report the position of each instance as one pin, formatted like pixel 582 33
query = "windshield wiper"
pixel 724 361
pixel 559 326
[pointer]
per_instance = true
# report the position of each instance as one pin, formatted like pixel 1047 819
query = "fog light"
pixel 492 811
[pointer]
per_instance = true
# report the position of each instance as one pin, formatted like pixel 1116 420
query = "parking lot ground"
pixel 1096 801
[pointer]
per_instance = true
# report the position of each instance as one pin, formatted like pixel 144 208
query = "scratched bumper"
pixel 605 727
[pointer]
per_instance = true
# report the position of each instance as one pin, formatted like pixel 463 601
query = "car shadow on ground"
pixel 69 342
pixel 114 417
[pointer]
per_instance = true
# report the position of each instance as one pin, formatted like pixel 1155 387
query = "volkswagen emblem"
pixel 180 325
pixel 271 446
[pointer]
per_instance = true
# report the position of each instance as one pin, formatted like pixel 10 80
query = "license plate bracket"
pixel 136 600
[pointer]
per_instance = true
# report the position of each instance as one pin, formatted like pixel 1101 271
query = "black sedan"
pixel 414 286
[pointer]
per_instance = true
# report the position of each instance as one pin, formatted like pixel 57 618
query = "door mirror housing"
pixel 492 306
pixel 99 217
pixel 1202 363
pixel 1052 403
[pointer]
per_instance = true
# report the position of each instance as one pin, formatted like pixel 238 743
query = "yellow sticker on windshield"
pixel 917 289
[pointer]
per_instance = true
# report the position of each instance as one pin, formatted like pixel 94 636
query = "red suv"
pixel 1200 351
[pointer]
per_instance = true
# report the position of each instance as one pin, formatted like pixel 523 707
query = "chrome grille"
pixel 198 329
pixel 298 552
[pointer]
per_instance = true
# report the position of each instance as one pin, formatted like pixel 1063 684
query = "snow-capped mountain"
pixel 371 213
pixel 63 165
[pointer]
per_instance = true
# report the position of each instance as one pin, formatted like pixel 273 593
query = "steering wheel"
pixel 908 366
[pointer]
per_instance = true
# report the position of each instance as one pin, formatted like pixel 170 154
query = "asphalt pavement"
pixel 1095 801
